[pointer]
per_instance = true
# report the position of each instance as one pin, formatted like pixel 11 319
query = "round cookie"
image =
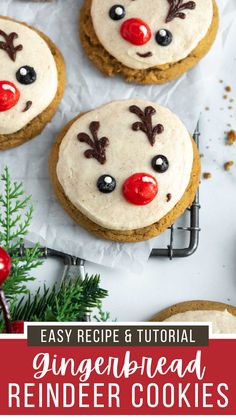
pixel 32 82
pixel 147 41
pixel 222 316
pixel 125 171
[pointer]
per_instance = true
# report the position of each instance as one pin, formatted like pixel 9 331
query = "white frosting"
pixel 36 54
pixel 222 321
pixel 129 152
pixel 186 33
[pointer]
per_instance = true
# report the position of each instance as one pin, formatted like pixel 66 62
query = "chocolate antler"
pixel 98 146
pixel 8 44
pixel 146 124
pixel 177 7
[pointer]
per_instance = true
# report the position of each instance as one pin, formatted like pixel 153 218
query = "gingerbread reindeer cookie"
pixel 32 81
pixel 222 316
pixel 147 41
pixel 125 171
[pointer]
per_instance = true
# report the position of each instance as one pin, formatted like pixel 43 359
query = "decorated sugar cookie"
pixel 125 171
pixel 32 80
pixel 147 41
pixel 222 316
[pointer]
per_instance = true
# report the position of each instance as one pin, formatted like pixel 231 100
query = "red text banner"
pixel 117 380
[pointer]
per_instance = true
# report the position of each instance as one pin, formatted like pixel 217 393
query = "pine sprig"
pixel 74 300
pixel 102 316
pixel 20 271
pixel 15 218
pixel 13 226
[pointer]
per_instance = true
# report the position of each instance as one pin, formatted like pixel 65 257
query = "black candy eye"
pixel 160 164
pixel 106 184
pixel 117 12
pixel 164 37
pixel 26 75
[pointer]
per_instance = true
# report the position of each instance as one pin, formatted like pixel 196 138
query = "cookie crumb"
pixel 228 89
pixel 225 97
pixel 228 165
pixel 207 108
pixel 207 175
pixel 231 137
pixel 201 156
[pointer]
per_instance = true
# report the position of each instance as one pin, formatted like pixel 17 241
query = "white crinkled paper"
pixel 87 88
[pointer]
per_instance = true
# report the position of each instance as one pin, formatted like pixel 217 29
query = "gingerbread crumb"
pixel 228 165
pixel 225 97
pixel 231 137
pixel 207 108
pixel 207 175
pixel 228 89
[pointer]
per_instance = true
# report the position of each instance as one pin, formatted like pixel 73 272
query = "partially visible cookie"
pixel 146 41
pixel 32 82
pixel 222 316
pixel 125 171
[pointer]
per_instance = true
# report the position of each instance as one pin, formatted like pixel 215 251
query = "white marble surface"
pixel 211 272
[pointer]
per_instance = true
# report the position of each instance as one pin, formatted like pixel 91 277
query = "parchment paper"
pixel 86 89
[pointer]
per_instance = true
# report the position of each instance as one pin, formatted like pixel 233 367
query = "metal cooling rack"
pixel 190 229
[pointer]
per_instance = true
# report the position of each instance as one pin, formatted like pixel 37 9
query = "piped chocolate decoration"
pixel 98 146
pixel 28 105
pixel 8 44
pixel 145 54
pixel 177 7
pixel 168 197
pixel 146 124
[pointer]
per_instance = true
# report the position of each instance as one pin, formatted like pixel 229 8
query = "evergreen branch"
pixel 15 219
pixel 102 316
pixel 74 300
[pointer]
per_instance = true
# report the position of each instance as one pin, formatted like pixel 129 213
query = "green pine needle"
pixel 102 316
pixel 71 303
pixel 15 218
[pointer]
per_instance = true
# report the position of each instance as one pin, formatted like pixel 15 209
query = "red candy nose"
pixel 9 95
pixel 140 189
pixel 136 31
